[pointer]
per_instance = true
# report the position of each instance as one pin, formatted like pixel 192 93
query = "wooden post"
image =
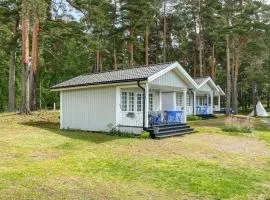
pixel 146 104
pixel 61 110
pixel 160 100
pixel 212 103
pixel 194 102
pixel 185 106
pixel 218 102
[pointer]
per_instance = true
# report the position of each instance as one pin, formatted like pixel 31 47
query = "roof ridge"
pixel 134 67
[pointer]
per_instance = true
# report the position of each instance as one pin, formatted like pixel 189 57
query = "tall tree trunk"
pixel 164 31
pixel 194 65
pixel 232 72
pixel 35 51
pixel 235 80
pixel 11 85
pixel 255 99
pixel 114 59
pixel 157 43
pixel 97 61
pixel 268 96
pixel 25 97
pixel 114 43
pixel 131 49
pixel 228 91
pixel 213 63
pixel 100 63
pixel 12 69
pixel 200 43
pixel 146 43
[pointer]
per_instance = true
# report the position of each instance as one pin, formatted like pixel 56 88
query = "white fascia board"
pixel 125 84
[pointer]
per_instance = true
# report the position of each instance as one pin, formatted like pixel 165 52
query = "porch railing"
pixel 204 110
pixel 165 117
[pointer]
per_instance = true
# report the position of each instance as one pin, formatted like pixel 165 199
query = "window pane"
pixel 188 100
pixel 123 101
pixel 131 101
pixel 178 99
pixel 139 102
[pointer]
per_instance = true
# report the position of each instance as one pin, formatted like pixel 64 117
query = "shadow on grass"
pixel 52 127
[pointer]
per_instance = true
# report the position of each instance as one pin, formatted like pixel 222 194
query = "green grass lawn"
pixel 39 161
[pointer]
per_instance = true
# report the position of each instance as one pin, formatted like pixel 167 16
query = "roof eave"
pixel 57 89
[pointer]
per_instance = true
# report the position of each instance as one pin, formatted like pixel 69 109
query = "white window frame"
pixel 122 101
pixel 189 100
pixel 131 101
pixel 139 102
pixel 179 99
pixel 134 100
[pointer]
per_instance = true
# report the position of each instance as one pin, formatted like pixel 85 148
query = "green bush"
pixel 236 128
pixel 116 132
pixel 145 135
pixel 193 118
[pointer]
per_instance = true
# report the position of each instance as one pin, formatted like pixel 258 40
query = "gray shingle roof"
pixel 200 80
pixel 125 75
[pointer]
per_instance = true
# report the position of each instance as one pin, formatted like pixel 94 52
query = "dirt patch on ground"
pixel 224 150
pixel 232 144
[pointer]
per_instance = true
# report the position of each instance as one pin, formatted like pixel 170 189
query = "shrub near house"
pixel 238 124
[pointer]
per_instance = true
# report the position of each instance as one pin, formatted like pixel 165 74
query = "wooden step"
pixel 174 131
pixel 168 125
pixel 161 128
pixel 174 134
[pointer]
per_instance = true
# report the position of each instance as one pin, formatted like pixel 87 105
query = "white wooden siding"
pixel 170 79
pixel 206 87
pixel 89 109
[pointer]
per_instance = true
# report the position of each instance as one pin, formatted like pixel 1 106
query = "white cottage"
pixel 202 100
pixel 152 98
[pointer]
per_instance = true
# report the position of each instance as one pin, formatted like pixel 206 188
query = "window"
pixel 124 101
pixel 201 101
pixel 139 102
pixel 150 102
pixel 178 99
pixel 131 101
pixel 188 100
pixel 127 101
